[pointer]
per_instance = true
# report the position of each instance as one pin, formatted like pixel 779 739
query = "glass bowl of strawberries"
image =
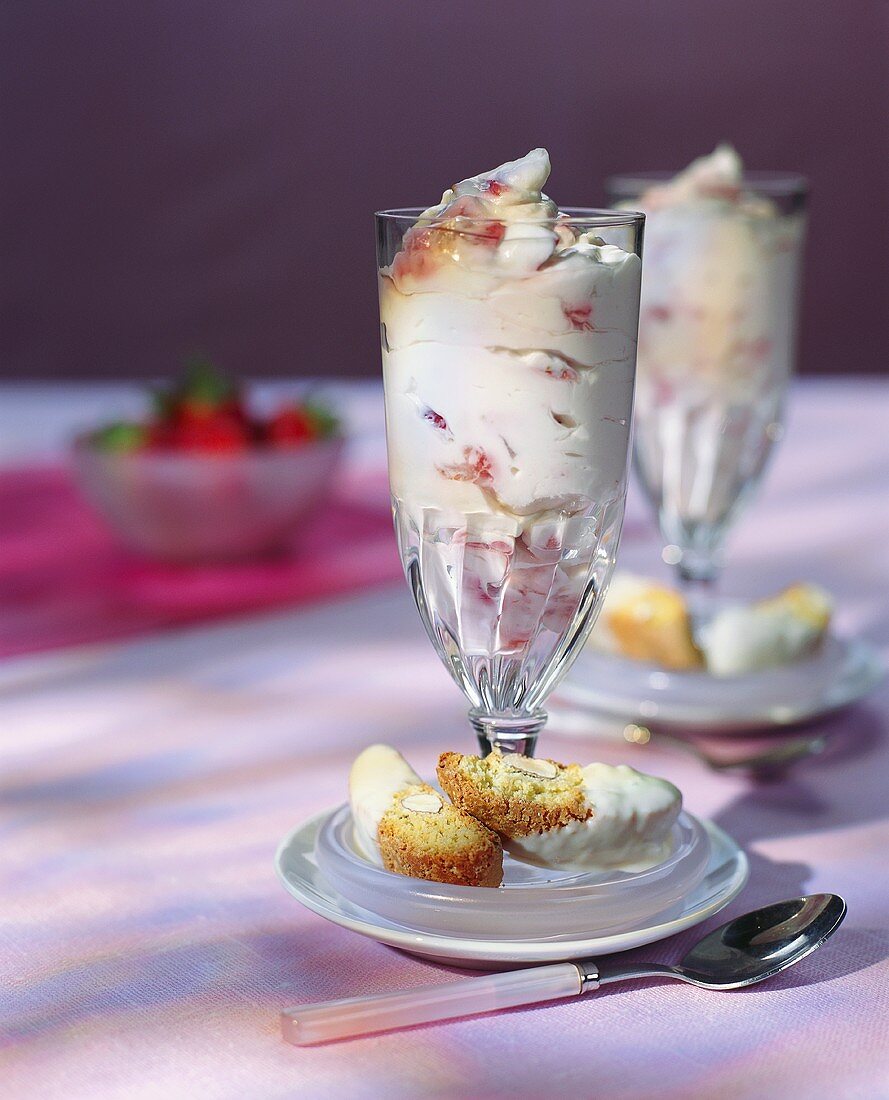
pixel 207 479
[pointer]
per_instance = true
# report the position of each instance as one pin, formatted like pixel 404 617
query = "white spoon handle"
pixel 320 1023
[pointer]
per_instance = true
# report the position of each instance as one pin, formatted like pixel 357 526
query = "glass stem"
pixel 698 587
pixel 510 734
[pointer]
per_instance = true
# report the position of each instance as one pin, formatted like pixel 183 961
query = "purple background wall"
pixel 181 174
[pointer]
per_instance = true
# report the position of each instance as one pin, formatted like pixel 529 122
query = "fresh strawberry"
pixel 215 434
pixel 291 427
pixel 203 392
pixel 206 413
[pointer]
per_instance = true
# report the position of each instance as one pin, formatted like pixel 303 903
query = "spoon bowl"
pixel 762 943
pixel 747 950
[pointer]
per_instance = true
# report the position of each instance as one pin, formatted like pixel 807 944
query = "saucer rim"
pixel 454 950
pixel 860 669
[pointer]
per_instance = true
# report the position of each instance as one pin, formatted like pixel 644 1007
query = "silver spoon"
pixel 771 760
pixel 768 761
pixel 746 950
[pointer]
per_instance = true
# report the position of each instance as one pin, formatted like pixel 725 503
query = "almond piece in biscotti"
pixel 423 836
pixel 515 795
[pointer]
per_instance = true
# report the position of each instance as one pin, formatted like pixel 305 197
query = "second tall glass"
pixel 716 350
pixel 508 405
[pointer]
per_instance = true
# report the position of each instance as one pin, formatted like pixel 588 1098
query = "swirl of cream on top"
pixel 498 223
pixel 718 175
pixel 720 259
pixel 512 192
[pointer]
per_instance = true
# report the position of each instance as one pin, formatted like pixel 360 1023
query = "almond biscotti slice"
pixel 565 816
pixel 646 621
pixel 412 830
pixel 514 795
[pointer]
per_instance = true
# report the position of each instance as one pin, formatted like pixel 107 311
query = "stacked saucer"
pixel 537 915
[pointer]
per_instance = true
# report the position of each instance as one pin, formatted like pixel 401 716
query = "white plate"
pixel 841 672
pixel 295 863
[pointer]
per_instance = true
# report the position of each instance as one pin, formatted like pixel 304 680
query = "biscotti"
pixel 514 795
pixel 565 816
pixel 411 830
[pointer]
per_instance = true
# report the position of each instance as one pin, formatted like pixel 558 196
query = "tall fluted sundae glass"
pixel 716 346
pixel 508 332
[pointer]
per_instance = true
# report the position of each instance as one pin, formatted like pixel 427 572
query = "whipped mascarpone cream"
pixel 720 279
pixel 742 638
pixel 509 343
pixel 629 829
pixel 377 775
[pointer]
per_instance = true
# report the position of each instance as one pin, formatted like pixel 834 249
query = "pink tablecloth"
pixel 65 580
pixel 146 948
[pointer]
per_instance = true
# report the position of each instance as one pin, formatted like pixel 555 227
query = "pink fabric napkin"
pixel 65 580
